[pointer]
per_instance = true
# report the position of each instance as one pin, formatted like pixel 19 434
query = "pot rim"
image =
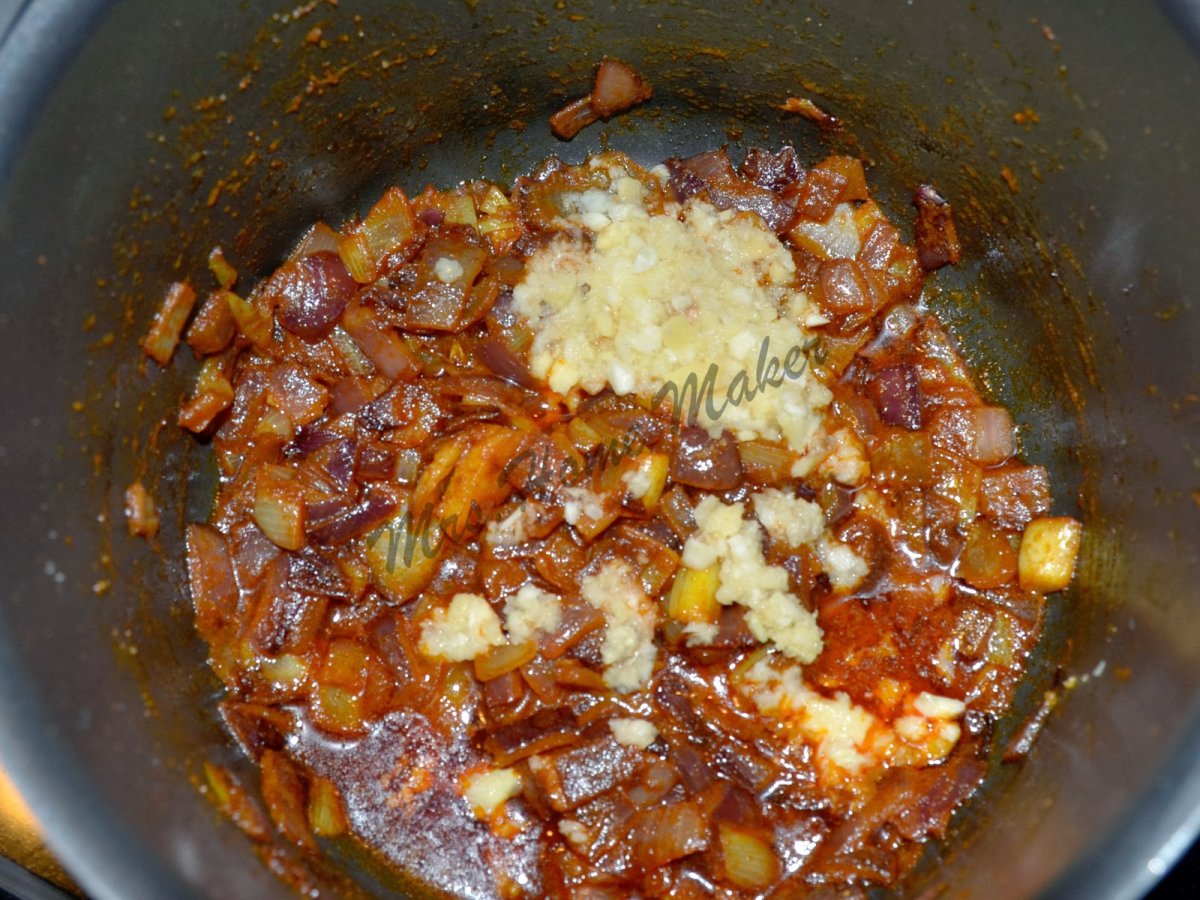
pixel 113 864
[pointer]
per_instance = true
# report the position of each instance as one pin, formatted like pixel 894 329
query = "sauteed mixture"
pixel 626 533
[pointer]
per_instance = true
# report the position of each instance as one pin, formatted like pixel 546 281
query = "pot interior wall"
pixel 177 126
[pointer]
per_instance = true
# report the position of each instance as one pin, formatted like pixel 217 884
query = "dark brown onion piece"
pixel 308 440
pixel 844 288
pixel 684 183
pixel 211 579
pixel 284 620
pixel 926 811
pixel 896 392
pixel 936 236
pixel 669 832
pixel 495 353
pixel 311 573
pixel 543 731
pixel 1015 495
pixel 571 777
pixel 705 462
pixel 694 772
pixel 312 294
pixel 283 788
pixel 573 118
pixel 256 728
pixel 374 510
pixel 773 171
pixel 399 407
pixel 720 184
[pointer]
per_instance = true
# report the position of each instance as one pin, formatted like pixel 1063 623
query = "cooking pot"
pixel 135 135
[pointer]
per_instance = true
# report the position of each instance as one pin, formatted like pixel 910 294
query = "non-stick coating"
pixel 1076 301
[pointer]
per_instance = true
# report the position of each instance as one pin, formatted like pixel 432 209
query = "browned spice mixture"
pixel 386 450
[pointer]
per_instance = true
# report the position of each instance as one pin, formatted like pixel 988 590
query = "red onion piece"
pixel 386 350
pixel 712 174
pixel 773 171
pixel 211 579
pixel 311 292
pixel 495 353
pixel 337 460
pixel 294 393
pixel 320 238
pixel 311 573
pixel 896 391
pixel 844 288
pixel 376 509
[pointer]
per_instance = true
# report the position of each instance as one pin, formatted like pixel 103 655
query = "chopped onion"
pixel 318 239
pixel 311 294
pixel 326 814
pixel 993 437
pixel 668 833
pixel 213 328
pixel 496 353
pixel 389 225
pixel 544 730
pixel 212 396
pixel 283 790
pixel 702 461
pixel 1014 495
pixel 163 337
pixel 765 462
pixel 504 659
pixel 225 273
pixel 380 344
pixel 251 321
pixel 747 857
pixel 211 580
pixel 988 559
pixel 693 597
pixel 279 506
pixel 617 88
pixel 140 514
pixel 896 391
pixel 573 118
pixel 936 236
pixel 403 556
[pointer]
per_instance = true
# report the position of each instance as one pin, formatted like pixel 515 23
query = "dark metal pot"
pixel 1076 301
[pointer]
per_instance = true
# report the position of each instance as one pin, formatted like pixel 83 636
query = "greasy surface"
pixel 934 91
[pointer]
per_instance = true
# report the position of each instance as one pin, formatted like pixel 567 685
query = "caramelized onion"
pixel 937 238
pixel 496 353
pixel 311 294
pixel 618 87
pixel 706 462
pixel 896 391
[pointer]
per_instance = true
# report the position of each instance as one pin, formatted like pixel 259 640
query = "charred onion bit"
pixel 618 87
pixel 531 636
pixel 937 238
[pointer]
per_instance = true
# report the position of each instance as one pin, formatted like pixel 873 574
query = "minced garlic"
pixel 648 301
